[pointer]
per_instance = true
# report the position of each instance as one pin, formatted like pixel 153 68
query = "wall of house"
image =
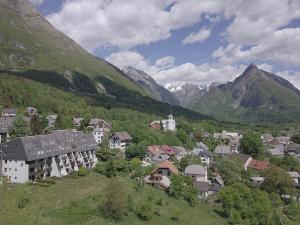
pixel 15 171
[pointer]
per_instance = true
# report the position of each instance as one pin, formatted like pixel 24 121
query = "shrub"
pixel 22 203
pixel 144 210
pixel 83 171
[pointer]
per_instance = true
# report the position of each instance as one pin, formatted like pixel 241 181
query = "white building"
pixel 53 155
pixel 120 140
pixel 51 120
pixel 98 134
pixel 169 124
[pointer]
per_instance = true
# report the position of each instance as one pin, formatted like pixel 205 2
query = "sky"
pixel 185 41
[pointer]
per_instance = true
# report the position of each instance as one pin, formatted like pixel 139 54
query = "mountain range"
pixel 254 96
pixel 32 49
pixel 147 83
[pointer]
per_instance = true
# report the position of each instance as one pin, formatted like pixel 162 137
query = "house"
pixel 243 158
pixel 266 137
pixel 284 140
pixel 156 125
pixel 223 150
pixel 169 150
pixel 205 155
pixel 169 124
pixel 98 134
pixel 197 172
pixel 97 122
pixel 31 111
pixel 153 150
pixel 77 121
pixel 226 135
pixel 181 152
pixel 273 142
pixel 258 165
pixel 52 155
pixel 120 140
pixel 51 120
pixel 9 112
pixel 202 188
pixel 234 143
pixel 160 158
pixel 293 150
pixel 295 176
pixel 6 124
pixel 277 150
pixel 257 181
pixel 216 185
pixel 160 175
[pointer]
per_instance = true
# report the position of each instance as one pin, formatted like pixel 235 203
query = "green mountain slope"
pixel 29 42
pixel 255 96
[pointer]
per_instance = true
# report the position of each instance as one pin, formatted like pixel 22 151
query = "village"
pixel 62 152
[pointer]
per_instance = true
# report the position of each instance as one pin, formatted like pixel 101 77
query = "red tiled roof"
pixel 166 165
pixel 170 151
pixel 154 149
pixel 274 142
pixel 258 164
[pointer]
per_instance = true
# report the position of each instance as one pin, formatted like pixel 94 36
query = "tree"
pixel 278 181
pixel 296 138
pixel 114 204
pixel 245 206
pixel 110 168
pixel 135 151
pixel 20 128
pixel 251 144
pixel 38 124
pixel 231 170
pixel 184 162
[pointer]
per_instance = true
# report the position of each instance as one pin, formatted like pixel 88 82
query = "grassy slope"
pixel 28 42
pixel 75 201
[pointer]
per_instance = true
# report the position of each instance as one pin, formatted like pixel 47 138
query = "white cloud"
pixel 194 37
pixel 126 24
pixel 293 77
pixel 257 31
pixel 36 2
pixel 187 72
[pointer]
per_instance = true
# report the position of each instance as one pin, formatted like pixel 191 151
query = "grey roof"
pixel 195 169
pixel 77 119
pixel 99 122
pixel 222 149
pixel 293 148
pixel 160 158
pixel 52 117
pixel 278 150
pixel 123 136
pixel 30 108
pixel 201 186
pixel 206 153
pixel 43 146
pixel 6 124
pixel 10 110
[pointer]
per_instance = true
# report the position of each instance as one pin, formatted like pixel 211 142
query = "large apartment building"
pixel 52 155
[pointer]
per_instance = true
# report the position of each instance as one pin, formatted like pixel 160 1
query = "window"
pixel 5 161
pixel 9 169
pixel 16 169
pixel 5 169
pixel 16 178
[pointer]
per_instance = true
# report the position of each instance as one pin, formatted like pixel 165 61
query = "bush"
pixel 22 203
pixel 144 210
pixel 83 171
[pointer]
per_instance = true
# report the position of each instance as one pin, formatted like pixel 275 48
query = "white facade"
pixel 98 134
pixel 15 171
pixel 57 166
pixel 116 142
pixel 169 124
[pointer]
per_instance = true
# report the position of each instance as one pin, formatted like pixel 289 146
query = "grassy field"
pixel 75 200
